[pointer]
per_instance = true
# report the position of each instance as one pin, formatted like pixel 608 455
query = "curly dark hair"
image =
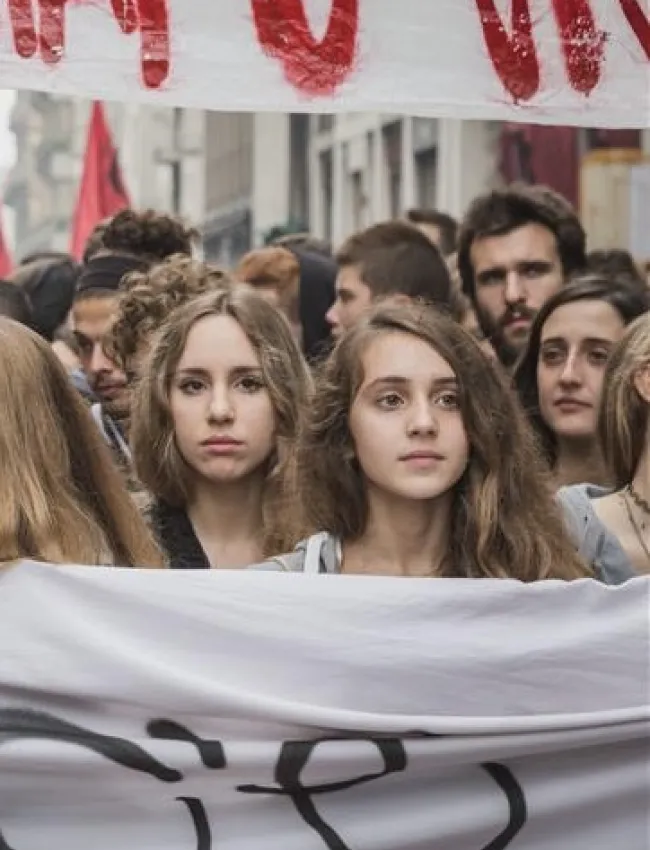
pixel 148 234
pixel 504 210
pixel 147 298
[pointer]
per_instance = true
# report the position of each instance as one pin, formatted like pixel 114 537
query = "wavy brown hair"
pixel 63 500
pixel 159 464
pixel 147 298
pixel 623 421
pixel 148 234
pixel 505 523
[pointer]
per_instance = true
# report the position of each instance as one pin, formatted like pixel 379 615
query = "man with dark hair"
pixel 388 259
pixel 15 304
pixel 439 227
pixel 516 248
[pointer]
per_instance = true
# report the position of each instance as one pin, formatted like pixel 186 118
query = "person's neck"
pixel 580 462
pixel 641 481
pixel 227 519
pixel 403 537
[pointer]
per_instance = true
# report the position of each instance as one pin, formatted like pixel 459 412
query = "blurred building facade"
pixel 236 176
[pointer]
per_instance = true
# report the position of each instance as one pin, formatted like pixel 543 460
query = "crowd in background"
pixel 431 398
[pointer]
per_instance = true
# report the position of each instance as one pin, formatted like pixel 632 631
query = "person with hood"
pixel 301 284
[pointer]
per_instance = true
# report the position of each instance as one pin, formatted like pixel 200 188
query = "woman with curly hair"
pixel 146 300
pixel 215 417
pixel 417 461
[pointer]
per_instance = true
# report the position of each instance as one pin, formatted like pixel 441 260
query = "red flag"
pixel 102 192
pixel 6 263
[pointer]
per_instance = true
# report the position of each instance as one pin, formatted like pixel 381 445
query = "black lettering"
pixel 24 723
pixel 211 752
pixel 200 821
pixel 507 782
pixel 293 759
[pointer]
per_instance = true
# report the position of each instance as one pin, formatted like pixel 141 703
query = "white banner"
pixel 261 711
pixel 556 61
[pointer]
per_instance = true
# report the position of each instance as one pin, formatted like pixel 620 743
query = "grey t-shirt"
pixel 595 542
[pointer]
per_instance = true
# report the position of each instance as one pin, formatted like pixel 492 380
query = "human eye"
pixel 191 386
pixel 493 277
pixel 448 399
pixel 599 356
pixel 552 356
pixel 389 401
pixel 250 383
pixel 533 270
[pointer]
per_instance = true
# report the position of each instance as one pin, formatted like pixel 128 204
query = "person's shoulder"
pixel 595 542
pixel 319 553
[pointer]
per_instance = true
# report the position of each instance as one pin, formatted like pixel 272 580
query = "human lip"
pixel 571 405
pixel 221 445
pixel 110 390
pixel 517 322
pixel 422 455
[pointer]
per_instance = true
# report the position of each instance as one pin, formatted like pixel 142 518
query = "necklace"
pixel 634 524
pixel 638 500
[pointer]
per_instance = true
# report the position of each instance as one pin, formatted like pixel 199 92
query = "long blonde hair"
pixel 62 499
pixel 623 422
pixel 160 466
pixel 505 521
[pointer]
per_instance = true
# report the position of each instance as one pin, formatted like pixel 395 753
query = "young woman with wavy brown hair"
pixel 62 498
pixel 417 461
pixel 612 525
pixel 214 420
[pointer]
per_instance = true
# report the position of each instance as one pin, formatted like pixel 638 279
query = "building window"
pixel 359 201
pixel 326 193
pixel 392 139
pixel 426 175
pixel 325 123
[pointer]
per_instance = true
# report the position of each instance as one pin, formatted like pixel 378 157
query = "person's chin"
pixel 575 430
pixel 117 407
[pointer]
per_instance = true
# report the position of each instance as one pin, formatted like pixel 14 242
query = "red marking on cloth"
pixel 150 17
pixel 583 44
pixel 314 67
pixel 639 22
pixel 514 57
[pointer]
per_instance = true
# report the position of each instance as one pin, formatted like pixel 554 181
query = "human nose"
pixel 422 418
pixel 515 292
pixel 99 362
pixel 570 373
pixel 221 407
pixel 332 315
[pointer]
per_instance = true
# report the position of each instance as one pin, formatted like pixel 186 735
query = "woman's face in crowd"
pixel 221 407
pixel 405 420
pixel 575 345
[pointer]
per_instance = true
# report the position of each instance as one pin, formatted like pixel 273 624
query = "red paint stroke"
pixel 514 57
pixel 314 67
pixel 583 44
pixel 150 17
pixel 639 22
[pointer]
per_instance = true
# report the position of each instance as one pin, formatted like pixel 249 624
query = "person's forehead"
pixel 349 278
pixel 94 313
pixel 530 242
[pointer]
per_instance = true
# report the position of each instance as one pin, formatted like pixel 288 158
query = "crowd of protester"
pixel 432 398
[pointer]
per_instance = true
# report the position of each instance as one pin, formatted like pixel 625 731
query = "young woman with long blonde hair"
pixel 214 420
pixel 417 461
pixel 612 525
pixel 62 499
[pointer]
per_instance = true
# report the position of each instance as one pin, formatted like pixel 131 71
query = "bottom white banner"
pixel 144 710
